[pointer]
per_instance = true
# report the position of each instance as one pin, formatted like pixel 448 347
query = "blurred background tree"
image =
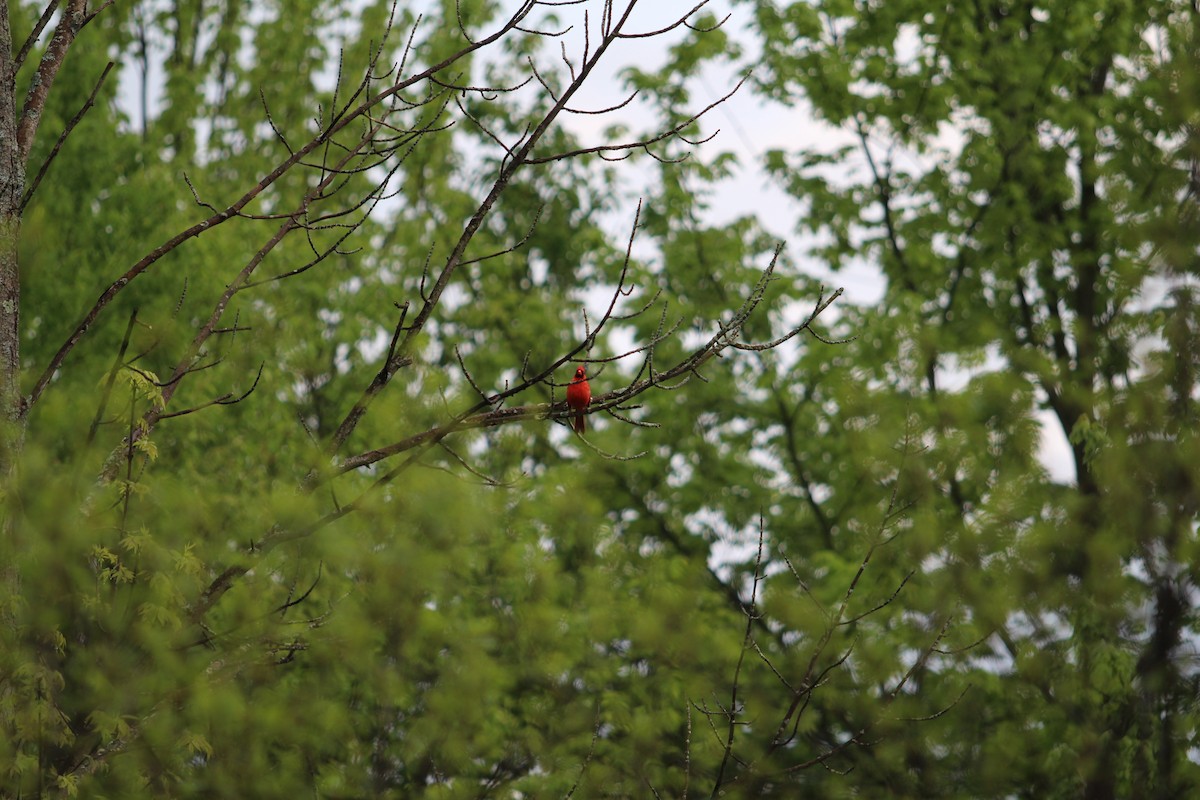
pixel 291 503
pixel 297 510
pixel 1024 176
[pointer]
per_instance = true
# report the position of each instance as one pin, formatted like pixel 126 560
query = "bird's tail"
pixel 580 423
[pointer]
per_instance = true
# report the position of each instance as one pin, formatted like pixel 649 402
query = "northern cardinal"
pixel 579 394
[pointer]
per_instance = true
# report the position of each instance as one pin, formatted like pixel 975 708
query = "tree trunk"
pixel 12 183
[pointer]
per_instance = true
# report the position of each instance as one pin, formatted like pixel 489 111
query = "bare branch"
pixel 549 89
pixel 487 479
pixel 481 90
pixel 888 699
pixel 940 712
pixel 546 34
pixel 486 131
pixel 47 71
pixel 339 124
pixel 31 40
pixel 196 195
pixel 672 26
pixel 33 185
pixel 489 399
pixel 390 365
pixel 486 411
pixel 99 10
pixel 642 144
pixel 475 417
pixel 462 28
pixel 567 61
pixel 612 412
pixel 519 158
pixel 516 245
pixel 881 605
pixel 749 611
pixel 605 454
pixel 821 305
pixel 262 97
pixel 616 107
pixel 227 399
pixel 709 29
pixel 185 364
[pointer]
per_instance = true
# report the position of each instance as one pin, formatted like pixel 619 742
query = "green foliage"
pixel 848 556
pixel 195 603
pixel 1008 162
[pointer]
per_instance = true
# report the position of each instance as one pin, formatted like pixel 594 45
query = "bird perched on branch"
pixel 579 394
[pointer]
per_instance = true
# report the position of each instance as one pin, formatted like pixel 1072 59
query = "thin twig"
pixel 30 40
pixel 749 611
pixel 33 185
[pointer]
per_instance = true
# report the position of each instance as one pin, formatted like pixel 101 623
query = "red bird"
pixel 579 394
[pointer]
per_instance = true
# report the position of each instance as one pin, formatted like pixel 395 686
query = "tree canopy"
pixel 292 505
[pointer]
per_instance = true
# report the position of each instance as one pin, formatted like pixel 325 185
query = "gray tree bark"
pixel 12 184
